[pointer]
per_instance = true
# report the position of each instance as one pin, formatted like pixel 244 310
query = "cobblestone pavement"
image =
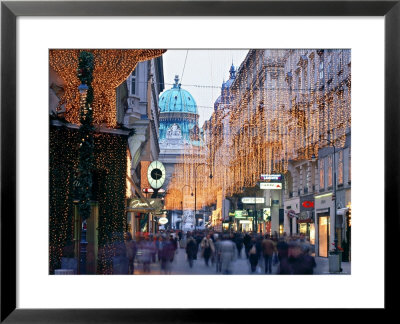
pixel 241 266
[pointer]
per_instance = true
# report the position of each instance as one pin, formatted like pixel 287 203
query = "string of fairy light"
pixel 111 68
pixel 277 109
pixel 111 159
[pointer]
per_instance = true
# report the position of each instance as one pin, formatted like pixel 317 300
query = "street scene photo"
pixel 199 162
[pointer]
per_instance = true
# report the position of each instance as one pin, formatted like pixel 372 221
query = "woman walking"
pixel 207 248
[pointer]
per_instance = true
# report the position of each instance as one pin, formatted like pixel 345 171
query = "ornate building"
pixel 179 133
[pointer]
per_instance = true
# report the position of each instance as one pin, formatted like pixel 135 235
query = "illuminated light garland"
pixel 286 118
pixel 111 68
pixel 110 164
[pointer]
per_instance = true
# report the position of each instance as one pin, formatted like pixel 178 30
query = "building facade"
pixel 180 136
pixel 141 113
pixel 283 108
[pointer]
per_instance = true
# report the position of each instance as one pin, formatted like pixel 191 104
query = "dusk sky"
pixel 203 73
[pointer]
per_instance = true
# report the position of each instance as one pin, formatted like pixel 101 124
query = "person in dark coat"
pixel 131 249
pixel 283 249
pixel 254 255
pixel 191 249
pixel 166 253
pixel 239 243
pixel 297 262
pixel 247 243
pixel 174 246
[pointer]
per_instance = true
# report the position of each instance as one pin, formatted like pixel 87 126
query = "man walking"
pixel 268 249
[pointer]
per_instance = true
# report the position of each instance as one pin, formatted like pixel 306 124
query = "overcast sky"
pixel 203 74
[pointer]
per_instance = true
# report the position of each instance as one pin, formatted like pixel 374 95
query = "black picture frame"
pixel 10 10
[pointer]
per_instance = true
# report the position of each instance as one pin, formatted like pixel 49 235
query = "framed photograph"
pixel 356 46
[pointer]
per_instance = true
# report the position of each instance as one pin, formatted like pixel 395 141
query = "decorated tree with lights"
pixel 85 167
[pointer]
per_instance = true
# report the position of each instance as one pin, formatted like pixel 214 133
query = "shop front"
pixel 241 221
pixel 141 217
pixel 305 219
pixel 246 225
pixel 324 224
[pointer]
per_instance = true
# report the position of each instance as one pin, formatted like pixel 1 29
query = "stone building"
pixel 141 113
pixel 284 107
pixel 179 135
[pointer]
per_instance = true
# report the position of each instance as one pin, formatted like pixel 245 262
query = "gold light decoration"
pixel 282 105
pixel 111 68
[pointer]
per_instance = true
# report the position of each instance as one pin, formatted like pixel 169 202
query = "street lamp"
pixel 313 158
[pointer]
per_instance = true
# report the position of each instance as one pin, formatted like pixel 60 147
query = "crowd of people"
pixel 268 253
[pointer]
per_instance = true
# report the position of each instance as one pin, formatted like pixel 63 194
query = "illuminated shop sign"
pixel 141 203
pixel 241 213
pixel 271 177
pixel 163 221
pixel 244 221
pixel 270 185
pixel 253 200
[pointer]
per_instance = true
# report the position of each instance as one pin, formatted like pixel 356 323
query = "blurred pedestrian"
pixel 239 243
pixel 180 235
pixel 227 254
pixel 191 249
pixel 167 255
pixel 268 250
pixel 254 255
pixel 297 262
pixel 131 249
pixel 174 246
pixel 247 243
pixel 207 248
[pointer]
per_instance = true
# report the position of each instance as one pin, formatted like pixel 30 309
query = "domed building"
pixel 179 130
pixel 178 123
pixel 178 118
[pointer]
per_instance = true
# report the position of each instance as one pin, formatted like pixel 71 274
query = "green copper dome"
pixel 177 99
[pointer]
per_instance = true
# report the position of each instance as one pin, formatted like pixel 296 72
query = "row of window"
pixel 340 170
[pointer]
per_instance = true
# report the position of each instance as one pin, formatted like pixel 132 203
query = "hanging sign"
pixel 270 185
pixel 241 213
pixel 139 203
pixel 291 213
pixel 271 177
pixel 253 200
pixel 163 221
pixel 308 204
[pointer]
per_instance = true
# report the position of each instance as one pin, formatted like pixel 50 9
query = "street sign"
pixel 270 185
pixel 271 177
pixel 253 200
